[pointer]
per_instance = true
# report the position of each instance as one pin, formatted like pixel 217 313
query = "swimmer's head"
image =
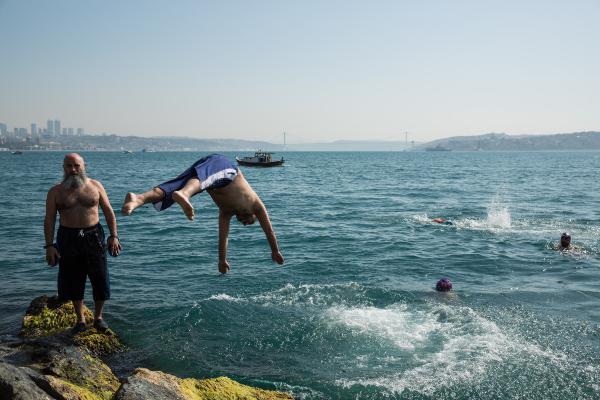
pixel 443 285
pixel 565 240
pixel 246 218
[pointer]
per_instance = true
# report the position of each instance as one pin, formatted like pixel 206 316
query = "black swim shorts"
pixel 82 254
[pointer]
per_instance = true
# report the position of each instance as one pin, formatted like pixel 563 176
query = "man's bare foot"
pixel 185 204
pixel 132 201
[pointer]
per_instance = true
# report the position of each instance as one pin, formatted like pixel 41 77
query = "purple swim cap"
pixel 443 285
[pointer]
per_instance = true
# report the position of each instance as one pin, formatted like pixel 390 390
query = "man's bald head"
pixel 73 157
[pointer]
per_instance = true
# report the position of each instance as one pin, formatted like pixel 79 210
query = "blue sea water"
pixel 353 313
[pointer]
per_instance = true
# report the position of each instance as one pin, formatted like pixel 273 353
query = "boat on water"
pixel 127 152
pixel 260 159
pixel 17 152
pixel 439 147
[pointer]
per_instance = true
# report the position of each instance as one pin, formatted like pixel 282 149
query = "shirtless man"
pixel 228 188
pixel 80 250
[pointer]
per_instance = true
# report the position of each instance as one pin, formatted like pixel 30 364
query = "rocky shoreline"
pixel 47 362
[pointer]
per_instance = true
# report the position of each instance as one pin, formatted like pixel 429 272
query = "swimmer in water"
pixel 565 245
pixel 565 241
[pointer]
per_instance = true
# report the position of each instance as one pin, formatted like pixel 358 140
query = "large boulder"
pixel 144 384
pixel 59 368
pixel 15 383
pixel 76 368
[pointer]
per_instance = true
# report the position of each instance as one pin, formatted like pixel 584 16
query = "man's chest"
pixel 85 197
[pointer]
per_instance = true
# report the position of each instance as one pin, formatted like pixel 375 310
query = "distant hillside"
pixel 138 143
pixel 352 145
pixel 170 143
pixel 502 141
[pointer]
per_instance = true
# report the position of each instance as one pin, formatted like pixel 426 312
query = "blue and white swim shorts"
pixel 213 171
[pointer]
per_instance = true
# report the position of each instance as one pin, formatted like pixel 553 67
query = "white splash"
pixel 225 297
pixel 402 327
pixel 307 294
pixel 421 218
pixel 498 217
pixel 459 350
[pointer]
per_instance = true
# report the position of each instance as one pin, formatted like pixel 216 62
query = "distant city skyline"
pixel 320 71
pixel 52 129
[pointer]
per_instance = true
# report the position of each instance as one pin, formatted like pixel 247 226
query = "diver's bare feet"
pixel 185 204
pixel 132 201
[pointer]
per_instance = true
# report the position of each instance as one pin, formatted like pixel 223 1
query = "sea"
pixel 353 313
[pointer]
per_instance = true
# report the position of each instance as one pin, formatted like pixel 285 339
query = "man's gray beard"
pixel 74 181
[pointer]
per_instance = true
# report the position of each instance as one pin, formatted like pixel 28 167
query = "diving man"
pixel 228 188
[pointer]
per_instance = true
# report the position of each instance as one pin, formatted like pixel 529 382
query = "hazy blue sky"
pixel 320 70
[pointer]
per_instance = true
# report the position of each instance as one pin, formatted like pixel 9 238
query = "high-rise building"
pixel 22 132
pixel 50 127
pixel 56 127
pixel 34 131
pixel 80 132
pixel 64 131
pixel 70 131
pixel 3 129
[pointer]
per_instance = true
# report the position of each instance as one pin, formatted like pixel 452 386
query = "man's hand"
pixel 277 257
pixel 114 246
pixel 224 266
pixel 52 256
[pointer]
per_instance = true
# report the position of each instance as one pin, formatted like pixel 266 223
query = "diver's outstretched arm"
pixel 265 224
pixel 224 221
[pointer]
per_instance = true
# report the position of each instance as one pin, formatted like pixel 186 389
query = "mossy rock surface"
pixel 78 367
pixel 61 389
pixel 48 316
pixel 99 343
pixel 146 384
pixel 224 388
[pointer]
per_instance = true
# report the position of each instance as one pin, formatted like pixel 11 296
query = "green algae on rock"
pixel 63 389
pixel 48 315
pixel 147 384
pixel 223 388
pixel 99 343
pixel 78 367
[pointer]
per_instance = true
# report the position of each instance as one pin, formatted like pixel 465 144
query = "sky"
pixel 318 70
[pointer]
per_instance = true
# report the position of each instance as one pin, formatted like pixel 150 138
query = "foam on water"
pixel 311 294
pixel 225 297
pixel 422 218
pixel 498 219
pixel 405 329
pixel 448 345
